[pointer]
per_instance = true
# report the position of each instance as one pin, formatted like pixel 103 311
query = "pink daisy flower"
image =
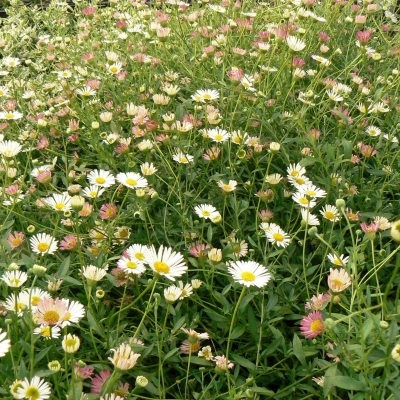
pixel 312 325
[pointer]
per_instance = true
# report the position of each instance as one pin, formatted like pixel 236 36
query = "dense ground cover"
pixel 200 201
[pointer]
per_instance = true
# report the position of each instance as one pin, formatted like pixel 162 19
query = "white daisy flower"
pixel 313 191
pixel 249 273
pixel 373 131
pixel 276 235
pixel 42 243
pixel 4 91
pixel 218 135
pixel 334 95
pixel 101 178
pixel 182 158
pixel 48 332
pixel 338 280
pixel 87 91
pixel 93 273
pixel 114 68
pixel 36 388
pixel 137 251
pixel 295 43
pixel 93 191
pixel 59 202
pixel 76 311
pixel 308 218
pixel 9 148
pixel 14 279
pixel 203 96
pixel 132 180
pixel 172 293
pixel 11 62
pixel 273 179
pixel 322 60
pixel 5 344
pixel 331 213
pixel 303 200
pixel 131 265
pixel 341 260
pixel 206 211
pixel 227 187
pixel 166 262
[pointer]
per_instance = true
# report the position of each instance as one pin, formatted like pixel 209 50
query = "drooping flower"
pixel 312 325
pixel 249 273
pixel 124 357
pixel 166 262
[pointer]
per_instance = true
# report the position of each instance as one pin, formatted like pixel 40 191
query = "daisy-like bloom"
pixel 395 353
pixel 199 249
pixel 273 179
pixel 11 62
pixel 218 135
pixel 101 178
pixel 276 235
pixel 338 280
pixel 51 312
pixel 35 389
pixel 70 343
pixel 132 180
pixel 64 74
pixel 312 325
pixel 87 91
pixel 15 239
pixel 319 380
pixel 31 297
pixel 111 396
pixel 227 187
pixel 222 363
pixel 166 262
pixel 93 274
pixel 59 202
pixel 186 290
pixel 99 380
pixel 206 211
pixel 383 223
pixel 190 347
pixel 124 358
pixel 373 131
pixel 318 302
pixel 203 96
pixel 42 243
pixel 137 252
pixel 182 158
pixel 295 43
pixel 196 283
pixel 239 248
pixel 115 68
pixel 312 191
pixel 93 191
pixel 303 200
pixel 330 213
pixel 194 336
pixel 321 60
pixel 340 261
pixel 5 344
pixel 15 279
pixel 69 242
pixel 148 169
pixel 334 95
pixel 4 91
pixel 76 312
pixel 131 265
pixel 48 332
pixel 108 211
pixel 308 218
pixel 9 148
pixel 172 294
pixel 249 273
pixel 215 255
pixel 206 352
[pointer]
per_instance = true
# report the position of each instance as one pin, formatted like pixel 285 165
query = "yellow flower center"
pixel 316 326
pixel 93 194
pixel 161 267
pixel 183 160
pixel 51 317
pixel 303 200
pixel 227 188
pixel 45 331
pixel 278 237
pixel 16 242
pixel 9 115
pixel 311 193
pixel 206 96
pixel 15 282
pixel 131 182
pixel 294 173
pixel 329 215
pixel 337 284
pixel 206 213
pixel 140 256
pixel 113 69
pixel 35 300
pixel 100 180
pixel 337 261
pixel 60 206
pixel 248 276
pixel 300 181
pixel 70 343
pixel 131 265
pixel 43 247
pixel 32 393
pixel 218 137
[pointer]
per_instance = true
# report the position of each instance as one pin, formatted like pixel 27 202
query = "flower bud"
pixel 141 381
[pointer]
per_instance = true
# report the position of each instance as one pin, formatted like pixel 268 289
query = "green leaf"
pixel 238 331
pixel 209 233
pixel 198 361
pixel 245 301
pixel 64 267
pixel 244 362
pixel 215 317
pixel 366 328
pixel 170 354
pixel 41 354
pixel 347 149
pixel 71 280
pixel 252 323
pixel 298 349
pixel 262 390
pixel 94 325
pixel 346 382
